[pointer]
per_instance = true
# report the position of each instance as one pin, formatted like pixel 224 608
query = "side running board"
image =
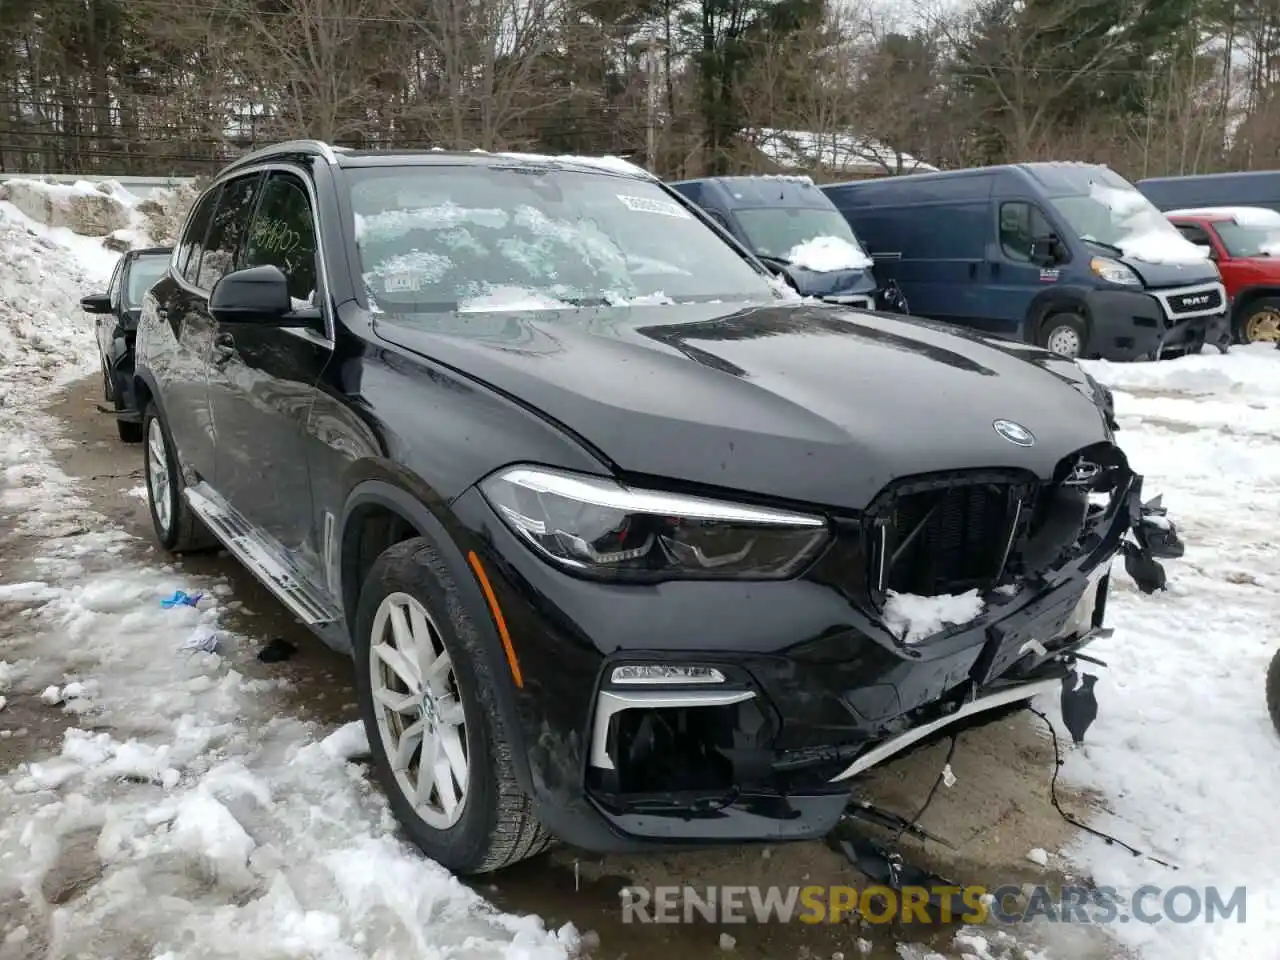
pixel 264 557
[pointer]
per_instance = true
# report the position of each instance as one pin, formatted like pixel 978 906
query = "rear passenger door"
pixel 177 355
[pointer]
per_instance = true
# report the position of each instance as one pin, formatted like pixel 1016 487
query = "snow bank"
pixel 44 335
pixel 82 207
pixel 58 243
pixel 827 255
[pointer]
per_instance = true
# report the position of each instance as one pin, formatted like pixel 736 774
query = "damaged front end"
pixel 764 746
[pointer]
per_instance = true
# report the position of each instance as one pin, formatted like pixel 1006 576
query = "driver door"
pixel 1014 280
pixel 262 378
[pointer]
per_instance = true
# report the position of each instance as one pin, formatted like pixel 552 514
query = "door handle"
pixel 224 348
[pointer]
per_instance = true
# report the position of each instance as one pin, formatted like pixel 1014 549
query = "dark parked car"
pixel 630 546
pixel 117 322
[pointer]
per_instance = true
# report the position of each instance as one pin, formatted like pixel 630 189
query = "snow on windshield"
pixel 486 239
pixel 1133 224
pixel 827 255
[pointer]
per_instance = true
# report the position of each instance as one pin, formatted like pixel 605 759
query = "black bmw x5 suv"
pixel 629 545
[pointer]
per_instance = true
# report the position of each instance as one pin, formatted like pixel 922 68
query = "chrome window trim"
pixel 326 308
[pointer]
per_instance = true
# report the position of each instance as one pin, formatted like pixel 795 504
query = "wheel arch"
pixel 383 510
pixel 1246 297
pixel 1053 301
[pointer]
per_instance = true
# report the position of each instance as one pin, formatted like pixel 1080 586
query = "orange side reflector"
pixel 498 618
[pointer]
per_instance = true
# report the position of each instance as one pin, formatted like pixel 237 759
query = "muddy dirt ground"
pixel 997 810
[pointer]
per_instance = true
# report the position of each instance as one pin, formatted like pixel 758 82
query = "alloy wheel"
pixel 1263 327
pixel 158 486
pixel 418 710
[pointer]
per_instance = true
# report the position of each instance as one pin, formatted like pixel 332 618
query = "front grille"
pixel 948 536
pixel 1182 303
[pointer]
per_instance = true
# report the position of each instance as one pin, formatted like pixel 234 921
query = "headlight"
pixel 1113 271
pixel 600 528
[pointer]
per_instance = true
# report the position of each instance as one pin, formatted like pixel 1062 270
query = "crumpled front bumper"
pixel 801 725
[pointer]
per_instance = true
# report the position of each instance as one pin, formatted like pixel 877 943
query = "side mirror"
pixel 1207 251
pixel 1044 250
pixel 96 303
pixel 257 295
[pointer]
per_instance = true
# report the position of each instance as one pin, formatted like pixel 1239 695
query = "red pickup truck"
pixel 1245 243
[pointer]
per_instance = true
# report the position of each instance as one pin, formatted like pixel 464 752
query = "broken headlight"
pixel 598 527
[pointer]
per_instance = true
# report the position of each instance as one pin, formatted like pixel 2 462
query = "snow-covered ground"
pixel 220 823
pixel 1183 750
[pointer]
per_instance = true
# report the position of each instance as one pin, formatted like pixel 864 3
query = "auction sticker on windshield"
pixel 400 283
pixel 648 205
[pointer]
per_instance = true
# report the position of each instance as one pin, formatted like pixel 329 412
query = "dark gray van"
pixel 791 226
pixel 1068 256
pixel 1248 188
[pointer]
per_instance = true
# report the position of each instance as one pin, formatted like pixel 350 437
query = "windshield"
pixel 143 273
pixel 1248 239
pixel 1114 214
pixel 471 238
pixel 788 233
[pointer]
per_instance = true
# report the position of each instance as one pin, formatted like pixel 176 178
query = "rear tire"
pixel 1064 334
pixel 177 527
pixel 491 823
pixel 1273 691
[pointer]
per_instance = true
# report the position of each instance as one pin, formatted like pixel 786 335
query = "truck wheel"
pixel 1273 691
pixel 1260 321
pixel 177 527
pixel 427 698
pixel 1064 334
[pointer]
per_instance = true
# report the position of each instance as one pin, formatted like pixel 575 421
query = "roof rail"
pixel 310 148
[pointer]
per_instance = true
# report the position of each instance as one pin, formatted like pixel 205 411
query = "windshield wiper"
pixel 782 260
pixel 1102 243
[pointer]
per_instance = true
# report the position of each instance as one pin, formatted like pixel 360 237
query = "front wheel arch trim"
pixel 388 496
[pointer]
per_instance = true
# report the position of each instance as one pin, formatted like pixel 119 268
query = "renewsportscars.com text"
pixel 943 904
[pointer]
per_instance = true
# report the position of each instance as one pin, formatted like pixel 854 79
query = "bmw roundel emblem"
pixel 1014 432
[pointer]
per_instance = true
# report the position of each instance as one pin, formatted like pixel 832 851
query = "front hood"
pixel 1158 275
pixel 809 403
pixel 832 283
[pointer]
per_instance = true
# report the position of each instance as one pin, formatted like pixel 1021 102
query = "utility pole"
pixel 651 131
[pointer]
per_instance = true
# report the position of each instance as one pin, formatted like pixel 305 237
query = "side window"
pixel 1194 234
pixel 1021 224
pixel 283 235
pixel 192 244
pixel 228 229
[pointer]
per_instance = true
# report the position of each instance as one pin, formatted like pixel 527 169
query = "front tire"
pixel 1260 322
pixel 427 698
pixel 177 527
pixel 1064 334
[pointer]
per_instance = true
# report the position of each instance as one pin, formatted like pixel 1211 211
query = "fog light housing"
pixel 635 674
